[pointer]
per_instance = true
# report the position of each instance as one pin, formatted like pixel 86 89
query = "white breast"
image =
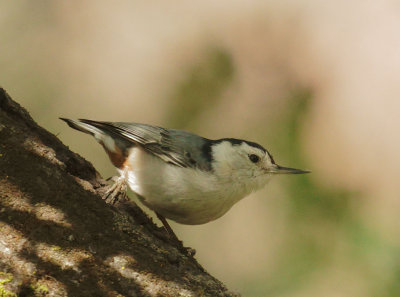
pixel 186 195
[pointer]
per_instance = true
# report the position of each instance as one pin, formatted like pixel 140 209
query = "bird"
pixel 179 175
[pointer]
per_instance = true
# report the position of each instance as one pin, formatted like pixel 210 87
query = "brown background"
pixel 317 83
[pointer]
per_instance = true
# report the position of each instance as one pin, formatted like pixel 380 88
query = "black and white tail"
pixel 84 127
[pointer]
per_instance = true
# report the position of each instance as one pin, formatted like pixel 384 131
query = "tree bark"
pixel 59 238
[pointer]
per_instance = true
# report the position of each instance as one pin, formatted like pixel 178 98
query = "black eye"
pixel 254 158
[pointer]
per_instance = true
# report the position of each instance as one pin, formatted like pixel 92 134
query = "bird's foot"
pixel 172 237
pixel 117 191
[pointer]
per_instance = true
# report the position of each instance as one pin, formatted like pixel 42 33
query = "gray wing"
pixel 176 147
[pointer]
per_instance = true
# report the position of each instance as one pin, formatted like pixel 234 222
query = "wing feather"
pixel 178 147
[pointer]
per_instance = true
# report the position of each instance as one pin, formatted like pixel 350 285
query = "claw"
pixel 171 234
pixel 116 192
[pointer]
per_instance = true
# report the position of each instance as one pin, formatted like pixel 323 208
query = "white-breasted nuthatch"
pixel 179 175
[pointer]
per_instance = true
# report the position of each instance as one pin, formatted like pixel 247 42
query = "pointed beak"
pixel 286 170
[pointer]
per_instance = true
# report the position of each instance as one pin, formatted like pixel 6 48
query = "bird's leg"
pixel 186 250
pixel 167 227
pixel 117 191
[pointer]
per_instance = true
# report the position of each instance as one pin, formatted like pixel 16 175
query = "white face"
pixel 242 163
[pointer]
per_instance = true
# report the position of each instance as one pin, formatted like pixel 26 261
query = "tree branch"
pixel 59 238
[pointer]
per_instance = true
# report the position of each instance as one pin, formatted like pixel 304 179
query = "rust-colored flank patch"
pixel 118 157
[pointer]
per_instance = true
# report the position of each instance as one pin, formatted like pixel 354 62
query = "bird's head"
pixel 246 162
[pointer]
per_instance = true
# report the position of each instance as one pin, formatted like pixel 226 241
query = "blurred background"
pixel 316 82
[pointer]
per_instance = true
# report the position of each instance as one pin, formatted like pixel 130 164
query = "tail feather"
pixel 83 127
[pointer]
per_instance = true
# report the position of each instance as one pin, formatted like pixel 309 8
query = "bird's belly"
pixel 190 210
pixel 185 195
pixel 182 202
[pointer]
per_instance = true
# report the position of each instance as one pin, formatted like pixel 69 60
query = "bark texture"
pixel 59 238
